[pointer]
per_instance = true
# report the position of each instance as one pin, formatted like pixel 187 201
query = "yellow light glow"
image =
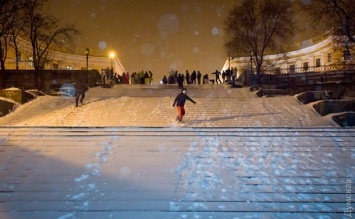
pixel 112 55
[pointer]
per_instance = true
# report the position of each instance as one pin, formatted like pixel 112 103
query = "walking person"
pixel 180 103
pixel 217 73
pixel 80 88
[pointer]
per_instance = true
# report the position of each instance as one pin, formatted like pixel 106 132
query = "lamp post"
pixel 112 56
pixel 87 51
pixel 251 62
pixel 229 63
pixel 251 65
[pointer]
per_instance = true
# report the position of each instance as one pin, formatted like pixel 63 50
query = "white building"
pixel 61 61
pixel 322 53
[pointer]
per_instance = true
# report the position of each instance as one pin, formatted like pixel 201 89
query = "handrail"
pixel 319 69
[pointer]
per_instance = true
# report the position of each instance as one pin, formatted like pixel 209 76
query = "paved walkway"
pixel 120 156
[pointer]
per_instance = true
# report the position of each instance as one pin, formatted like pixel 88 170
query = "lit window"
pixel 30 61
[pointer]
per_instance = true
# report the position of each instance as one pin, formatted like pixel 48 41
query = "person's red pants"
pixel 181 112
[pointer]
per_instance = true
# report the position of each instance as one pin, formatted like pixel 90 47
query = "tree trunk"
pixel 36 79
pixel 3 71
pixel 2 79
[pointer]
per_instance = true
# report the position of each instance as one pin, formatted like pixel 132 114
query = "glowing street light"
pixel 112 56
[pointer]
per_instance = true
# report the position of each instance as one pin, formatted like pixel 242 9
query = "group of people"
pixel 174 77
pixel 178 78
pixel 141 77
pixel 229 76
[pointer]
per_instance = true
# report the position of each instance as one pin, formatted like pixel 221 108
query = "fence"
pixel 311 69
pixel 308 76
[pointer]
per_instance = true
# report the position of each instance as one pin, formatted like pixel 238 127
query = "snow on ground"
pixel 217 106
pixel 122 155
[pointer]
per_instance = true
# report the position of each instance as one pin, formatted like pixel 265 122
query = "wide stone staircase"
pixel 176 172
pixel 151 106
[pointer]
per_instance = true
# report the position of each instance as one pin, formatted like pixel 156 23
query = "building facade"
pixel 61 60
pixel 319 54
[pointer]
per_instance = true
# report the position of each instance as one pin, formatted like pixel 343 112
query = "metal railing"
pixel 311 76
pixel 309 69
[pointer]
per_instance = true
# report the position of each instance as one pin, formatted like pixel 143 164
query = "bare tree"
pixel 17 25
pixel 8 10
pixel 44 32
pixel 333 14
pixel 260 27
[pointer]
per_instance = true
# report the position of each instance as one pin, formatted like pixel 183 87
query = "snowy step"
pixel 160 214
pixel 176 172
pixel 151 107
pixel 129 195
pixel 165 206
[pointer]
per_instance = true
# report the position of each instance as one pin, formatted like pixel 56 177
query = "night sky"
pixel 155 35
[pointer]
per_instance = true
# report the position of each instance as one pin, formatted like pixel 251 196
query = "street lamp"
pixel 251 66
pixel 251 62
pixel 229 63
pixel 87 51
pixel 112 56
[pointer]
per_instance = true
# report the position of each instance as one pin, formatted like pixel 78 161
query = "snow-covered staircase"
pixel 177 172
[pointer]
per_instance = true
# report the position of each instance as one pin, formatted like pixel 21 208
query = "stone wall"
pixel 25 79
pixel 7 106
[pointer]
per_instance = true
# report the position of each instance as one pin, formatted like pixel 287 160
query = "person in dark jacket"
pixel 180 103
pixel 193 77
pixel 199 77
pixel 80 89
pixel 180 81
pixel 217 73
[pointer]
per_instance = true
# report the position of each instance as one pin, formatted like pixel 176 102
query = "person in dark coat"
pixel 80 89
pixel 180 81
pixel 217 73
pixel 187 77
pixel 193 77
pixel 165 80
pixel 199 77
pixel 180 103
